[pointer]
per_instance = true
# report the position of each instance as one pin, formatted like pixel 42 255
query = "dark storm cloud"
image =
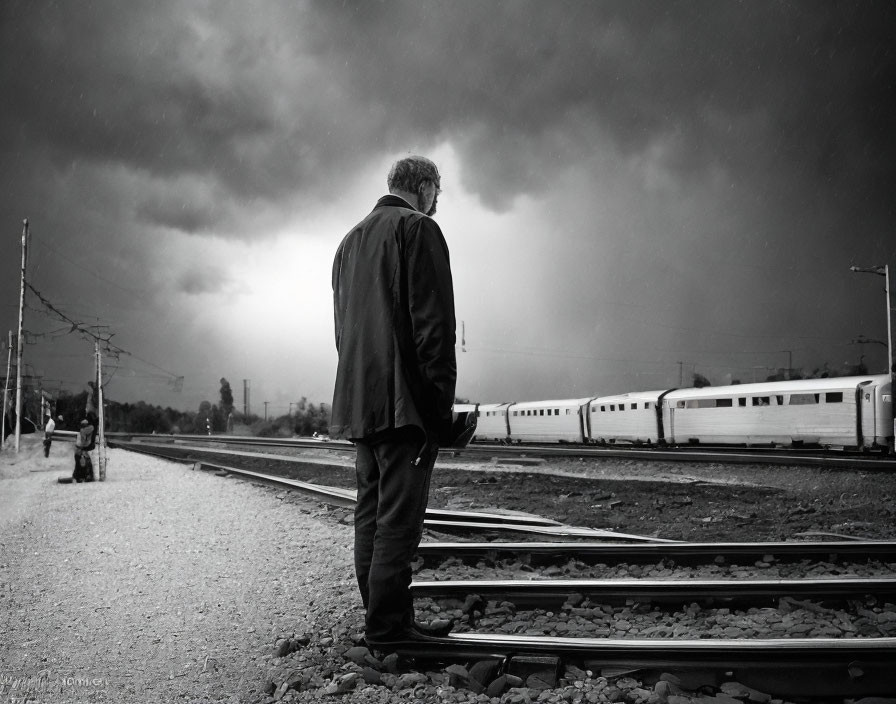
pixel 266 100
pixel 528 88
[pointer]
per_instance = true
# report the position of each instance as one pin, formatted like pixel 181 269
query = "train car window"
pixel 761 400
pixel 621 406
pixel 541 412
pixel 780 400
pixel 833 397
pixel 724 402
pixel 803 399
pixel 679 404
pixel 612 406
pixel 568 412
pixel 742 402
pixel 634 407
pixel 647 406
pixel 603 409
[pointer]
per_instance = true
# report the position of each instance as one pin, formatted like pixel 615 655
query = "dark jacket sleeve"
pixel 431 309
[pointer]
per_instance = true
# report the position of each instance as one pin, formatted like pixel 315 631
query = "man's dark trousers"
pixel 393 472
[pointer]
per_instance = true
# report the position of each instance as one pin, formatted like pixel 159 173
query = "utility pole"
pixel 265 410
pixel 680 374
pixel 6 384
pixel 789 363
pixel 19 342
pixel 101 439
pixel 246 399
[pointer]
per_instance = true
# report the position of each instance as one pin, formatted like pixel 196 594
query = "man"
pixel 49 429
pixel 395 333
pixel 84 443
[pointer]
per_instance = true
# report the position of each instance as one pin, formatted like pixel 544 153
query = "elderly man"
pixel 395 334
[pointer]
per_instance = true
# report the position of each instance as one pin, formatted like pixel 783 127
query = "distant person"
pixel 84 443
pixel 49 429
pixel 395 334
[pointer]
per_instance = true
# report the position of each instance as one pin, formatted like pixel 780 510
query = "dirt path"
pixel 160 584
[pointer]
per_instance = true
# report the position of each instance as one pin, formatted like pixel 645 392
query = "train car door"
pixel 865 415
pixel 585 422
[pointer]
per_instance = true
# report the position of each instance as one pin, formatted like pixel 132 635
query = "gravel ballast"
pixel 160 584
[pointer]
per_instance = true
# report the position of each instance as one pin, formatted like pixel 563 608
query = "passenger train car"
pixel 548 421
pixel 631 417
pixel 849 412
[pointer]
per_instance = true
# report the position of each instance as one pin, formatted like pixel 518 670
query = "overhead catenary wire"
pixel 90 331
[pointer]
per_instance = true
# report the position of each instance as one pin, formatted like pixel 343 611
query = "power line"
pixel 84 268
pixel 96 336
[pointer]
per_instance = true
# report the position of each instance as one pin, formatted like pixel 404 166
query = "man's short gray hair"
pixel 410 173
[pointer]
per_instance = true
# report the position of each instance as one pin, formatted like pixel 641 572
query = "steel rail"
pixel 689 455
pixel 557 591
pixel 644 553
pixel 440 519
pixel 787 667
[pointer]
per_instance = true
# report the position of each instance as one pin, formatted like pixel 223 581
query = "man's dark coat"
pixel 395 327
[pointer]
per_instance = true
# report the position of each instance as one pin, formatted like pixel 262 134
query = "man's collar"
pixel 394 201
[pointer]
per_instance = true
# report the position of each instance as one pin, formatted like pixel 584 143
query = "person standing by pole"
pixel 49 429
pixel 394 316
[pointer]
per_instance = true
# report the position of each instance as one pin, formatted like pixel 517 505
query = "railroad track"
pixel 710 631
pixel 436 519
pixel 532 625
pixel 753 455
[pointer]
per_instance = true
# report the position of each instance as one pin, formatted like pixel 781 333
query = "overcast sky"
pixel 630 191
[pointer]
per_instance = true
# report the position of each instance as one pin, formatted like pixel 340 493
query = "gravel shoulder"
pixel 160 584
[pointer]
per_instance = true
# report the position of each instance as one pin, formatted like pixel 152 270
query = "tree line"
pixel 141 417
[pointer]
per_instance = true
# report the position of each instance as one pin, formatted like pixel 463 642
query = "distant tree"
pixel 310 419
pixel 218 419
pixel 700 381
pixel 226 397
pixel 859 369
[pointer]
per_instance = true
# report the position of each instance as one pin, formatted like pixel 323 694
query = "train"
pixel 850 413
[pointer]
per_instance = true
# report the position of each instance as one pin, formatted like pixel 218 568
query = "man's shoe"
pixel 417 632
pixel 436 629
